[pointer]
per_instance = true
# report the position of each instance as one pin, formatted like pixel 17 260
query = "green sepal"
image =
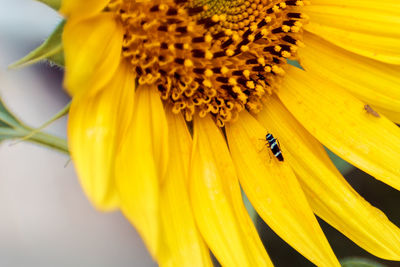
pixel 54 4
pixel 57 59
pixel 7 119
pixel 51 49
pixel 9 124
pixel 13 129
pixel 63 112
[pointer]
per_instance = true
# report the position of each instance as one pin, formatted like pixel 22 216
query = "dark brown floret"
pixel 210 57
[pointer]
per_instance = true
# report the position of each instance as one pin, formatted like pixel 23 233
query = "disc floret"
pixel 210 57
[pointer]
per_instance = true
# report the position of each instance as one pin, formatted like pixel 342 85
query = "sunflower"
pixel 178 104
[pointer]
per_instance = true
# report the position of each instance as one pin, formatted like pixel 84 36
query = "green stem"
pixel 51 141
pixel 45 139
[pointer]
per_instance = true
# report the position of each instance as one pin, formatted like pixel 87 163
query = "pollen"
pixel 215 57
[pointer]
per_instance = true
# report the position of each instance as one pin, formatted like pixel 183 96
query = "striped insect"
pixel 273 144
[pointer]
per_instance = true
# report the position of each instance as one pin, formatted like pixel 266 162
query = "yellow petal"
pixel 356 15
pixel 390 114
pixel 92 49
pixel 340 122
pixel 373 82
pixel 95 123
pixel 384 5
pixel 274 191
pixel 78 8
pixel 217 202
pixel 139 165
pixel 182 243
pixel 360 26
pixel 329 195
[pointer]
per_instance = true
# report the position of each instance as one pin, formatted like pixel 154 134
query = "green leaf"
pixel 359 262
pixel 54 4
pixel 7 119
pixel 64 111
pixel 8 133
pixel 12 128
pixel 51 49
pixel 51 141
pixel 41 138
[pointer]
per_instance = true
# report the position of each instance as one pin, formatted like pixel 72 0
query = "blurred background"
pixel 45 219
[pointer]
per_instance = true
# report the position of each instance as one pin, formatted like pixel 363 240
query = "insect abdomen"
pixel 273 145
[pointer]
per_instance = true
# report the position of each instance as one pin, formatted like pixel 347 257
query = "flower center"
pixel 210 56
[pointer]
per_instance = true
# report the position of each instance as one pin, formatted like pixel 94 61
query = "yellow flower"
pixel 173 100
